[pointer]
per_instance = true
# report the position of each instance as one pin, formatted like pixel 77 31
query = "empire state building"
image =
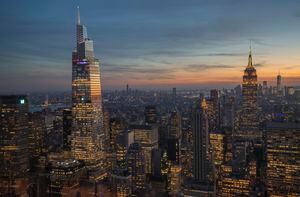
pixel 249 118
pixel 87 114
pixel 247 130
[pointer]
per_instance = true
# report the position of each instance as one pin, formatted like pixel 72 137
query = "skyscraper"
pixel 247 130
pixel 248 127
pixel 200 143
pixel 174 180
pixel 14 163
pixel 283 158
pixel 147 137
pixel 265 88
pixel 87 134
pixel 150 114
pixel 279 87
pixel 136 166
pixel 174 97
pixel 174 137
pixel 67 128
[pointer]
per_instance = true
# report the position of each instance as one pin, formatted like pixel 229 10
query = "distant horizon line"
pixel 165 89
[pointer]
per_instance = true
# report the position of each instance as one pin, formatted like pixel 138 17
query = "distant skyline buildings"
pixel 216 130
pixel 174 55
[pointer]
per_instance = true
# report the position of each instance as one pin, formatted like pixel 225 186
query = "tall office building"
pixel 174 180
pixel 147 137
pixel 265 88
pixel 279 87
pixel 174 95
pixel 200 142
pixel 156 162
pixel 64 177
pixel 283 158
pixel 247 130
pixel 120 183
pixel 87 134
pixel 150 114
pixel 174 137
pixel 136 167
pixel 124 140
pixel 67 128
pixel 14 163
pixel 175 126
pixel 213 110
pixel 37 135
pixel 216 140
pixel 248 127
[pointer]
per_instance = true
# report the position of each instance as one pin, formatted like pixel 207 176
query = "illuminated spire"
pixel 78 16
pixel 250 57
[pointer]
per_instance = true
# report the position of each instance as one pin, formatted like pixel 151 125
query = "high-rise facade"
pixel 136 166
pixel 67 128
pixel 248 124
pixel 279 87
pixel 87 114
pixel 265 88
pixel 64 177
pixel 283 158
pixel 174 96
pixel 120 183
pixel 150 114
pixel 147 137
pixel 200 142
pixel 246 131
pixel 14 163
pixel 174 179
pixel 174 137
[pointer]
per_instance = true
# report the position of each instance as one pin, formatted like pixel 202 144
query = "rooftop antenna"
pixel 250 48
pixel 78 16
pixel 250 56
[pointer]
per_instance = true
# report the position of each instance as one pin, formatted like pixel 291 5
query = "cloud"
pixel 259 65
pixel 223 54
pixel 137 71
pixel 292 67
pixel 200 67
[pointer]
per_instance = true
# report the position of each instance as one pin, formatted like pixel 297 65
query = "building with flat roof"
pixel 283 158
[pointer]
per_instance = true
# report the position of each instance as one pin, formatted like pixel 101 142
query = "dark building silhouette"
pixel 67 128
pixel 200 142
pixel 14 155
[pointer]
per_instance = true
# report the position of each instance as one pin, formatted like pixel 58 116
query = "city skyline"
pixel 150 45
pixel 218 142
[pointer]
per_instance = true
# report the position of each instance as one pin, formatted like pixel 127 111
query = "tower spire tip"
pixel 78 16
pixel 250 56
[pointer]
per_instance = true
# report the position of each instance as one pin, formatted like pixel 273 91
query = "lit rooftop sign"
pixel 82 62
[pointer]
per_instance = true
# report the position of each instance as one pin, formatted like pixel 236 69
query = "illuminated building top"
pixel 87 133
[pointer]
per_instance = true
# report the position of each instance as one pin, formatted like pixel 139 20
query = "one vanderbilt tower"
pixel 87 114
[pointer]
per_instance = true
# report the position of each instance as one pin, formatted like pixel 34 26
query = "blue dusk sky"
pixel 149 43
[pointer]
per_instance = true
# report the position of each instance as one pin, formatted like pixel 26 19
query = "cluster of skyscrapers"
pixel 239 142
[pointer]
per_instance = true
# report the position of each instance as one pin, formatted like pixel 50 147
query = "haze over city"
pixel 149 44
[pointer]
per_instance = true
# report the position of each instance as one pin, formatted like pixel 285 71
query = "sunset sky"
pixel 149 43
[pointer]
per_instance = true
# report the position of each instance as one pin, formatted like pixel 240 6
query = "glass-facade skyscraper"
pixel 87 114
